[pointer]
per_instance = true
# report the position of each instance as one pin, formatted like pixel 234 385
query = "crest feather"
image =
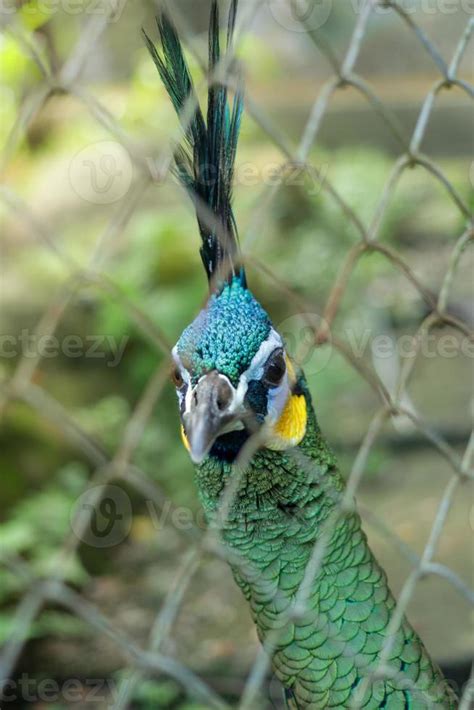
pixel 204 162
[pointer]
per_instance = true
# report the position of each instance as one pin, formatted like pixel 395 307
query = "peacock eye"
pixel 177 378
pixel 275 368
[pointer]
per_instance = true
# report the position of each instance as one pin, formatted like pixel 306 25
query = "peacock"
pixel 320 601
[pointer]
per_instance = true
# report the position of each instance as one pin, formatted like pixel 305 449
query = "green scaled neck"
pixel 273 481
pixel 326 656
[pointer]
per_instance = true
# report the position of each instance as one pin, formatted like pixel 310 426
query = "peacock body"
pixel 319 599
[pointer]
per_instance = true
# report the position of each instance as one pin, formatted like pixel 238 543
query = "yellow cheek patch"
pixel 184 439
pixel 291 426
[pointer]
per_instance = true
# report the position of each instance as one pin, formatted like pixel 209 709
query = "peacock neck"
pixel 274 482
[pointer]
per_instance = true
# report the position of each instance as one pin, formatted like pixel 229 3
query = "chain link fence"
pixel 65 77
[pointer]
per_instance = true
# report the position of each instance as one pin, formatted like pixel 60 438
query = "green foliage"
pixel 35 530
pixel 44 516
pixel 105 420
pixel 16 69
pixel 157 694
pixel 161 694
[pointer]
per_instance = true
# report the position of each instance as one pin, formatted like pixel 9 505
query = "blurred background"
pixel 100 248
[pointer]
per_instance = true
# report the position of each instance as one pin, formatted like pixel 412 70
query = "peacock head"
pixel 234 379
pixel 231 372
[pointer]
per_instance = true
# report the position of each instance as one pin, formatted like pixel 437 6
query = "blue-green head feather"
pixel 226 335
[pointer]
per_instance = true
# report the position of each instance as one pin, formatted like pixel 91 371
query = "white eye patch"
pixel 184 393
pixel 277 396
pixel 256 367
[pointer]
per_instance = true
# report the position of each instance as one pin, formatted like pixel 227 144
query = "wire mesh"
pixel 22 386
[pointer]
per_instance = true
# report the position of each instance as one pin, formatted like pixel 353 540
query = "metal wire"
pixel 121 466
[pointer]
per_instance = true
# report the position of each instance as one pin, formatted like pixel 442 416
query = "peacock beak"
pixel 210 414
